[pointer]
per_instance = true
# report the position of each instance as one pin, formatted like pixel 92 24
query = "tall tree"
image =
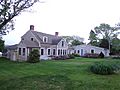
pixel 10 9
pixel 105 31
pixel 76 42
pixel 93 38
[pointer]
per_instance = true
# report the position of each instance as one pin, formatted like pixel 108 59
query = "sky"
pixel 68 17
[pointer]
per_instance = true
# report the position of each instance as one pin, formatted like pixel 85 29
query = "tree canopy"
pixel 9 9
pixel 103 35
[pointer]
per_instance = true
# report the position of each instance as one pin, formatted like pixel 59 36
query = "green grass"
pixel 55 75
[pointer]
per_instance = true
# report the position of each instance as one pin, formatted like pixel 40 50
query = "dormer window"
pixel 31 39
pixel 45 39
pixel 62 43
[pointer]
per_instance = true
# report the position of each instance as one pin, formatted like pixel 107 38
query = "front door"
pixel 81 52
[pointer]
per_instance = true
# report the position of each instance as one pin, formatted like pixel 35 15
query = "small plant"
pixel 105 68
pixel 34 56
pixel 101 55
pixel 71 56
pixel 91 55
pixel 76 55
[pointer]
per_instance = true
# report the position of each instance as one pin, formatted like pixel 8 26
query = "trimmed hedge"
pixel 105 67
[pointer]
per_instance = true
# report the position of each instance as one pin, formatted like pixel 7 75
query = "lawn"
pixel 55 75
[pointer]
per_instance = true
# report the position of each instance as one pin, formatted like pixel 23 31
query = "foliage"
pixel 71 56
pixel 105 68
pixel 91 55
pixel 93 38
pixel 76 42
pixel 101 55
pixel 64 57
pixel 104 43
pixel 10 9
pixel 1 45
pixel 34 56
pixel 76 55
pixel 115 50
pixel 116 57
pixel 104 34
pixel 73 39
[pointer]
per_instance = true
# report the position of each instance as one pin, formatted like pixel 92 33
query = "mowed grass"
pixel 55 75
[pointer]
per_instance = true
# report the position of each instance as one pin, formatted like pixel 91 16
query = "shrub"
pixel 105 68
pixel 76 55
pixel 91 55
pixel 34 56
pixel 71 56
pixel 60 57
pixel 101 55
pixel 116 57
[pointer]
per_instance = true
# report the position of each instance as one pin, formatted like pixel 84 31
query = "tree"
pixel 1 45
pixel 10 9
pixel 104 43
pixel 115 46
pixel 74 39
pixel 76 42
pixel 105 31
pixel 93 38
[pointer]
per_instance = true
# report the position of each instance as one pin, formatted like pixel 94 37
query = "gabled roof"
pixel 52 39
pixel 12 47
pixel 30 43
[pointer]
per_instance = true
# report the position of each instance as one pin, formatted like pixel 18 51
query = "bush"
pixel 60 57
pixel 91 55
pixel 101 55
pixel 34 56
pixel 116 57
pixel 71 56
pixel 65 57
pixel 76 55
pixel 105 68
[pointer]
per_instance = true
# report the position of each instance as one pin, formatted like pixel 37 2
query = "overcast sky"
pixel 68 17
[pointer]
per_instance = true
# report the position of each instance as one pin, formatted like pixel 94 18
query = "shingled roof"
pixel 52 39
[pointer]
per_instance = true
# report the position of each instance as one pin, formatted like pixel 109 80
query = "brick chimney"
pixel 56 33
pixel 32 27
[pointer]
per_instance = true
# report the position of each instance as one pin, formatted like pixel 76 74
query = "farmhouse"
pixel 48 45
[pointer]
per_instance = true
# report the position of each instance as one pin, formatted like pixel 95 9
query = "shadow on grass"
pixel 43 82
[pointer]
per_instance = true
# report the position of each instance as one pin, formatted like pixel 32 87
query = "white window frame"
pixel 44 39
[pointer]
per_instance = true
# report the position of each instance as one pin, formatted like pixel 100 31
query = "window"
pixel 74 51
pixel 45 39
pixel 53 51
pixel 31 39
pixel 62 43
pixel 22 38
pixel 65 52
pixel 19 51
pixel 23 51
pixel 58 51
pixel 92 51
pixel 78 52
pixel 48 51
pixel 42 51
pixel 61 51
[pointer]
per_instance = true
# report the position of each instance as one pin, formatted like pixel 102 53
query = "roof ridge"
pixel 45 33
